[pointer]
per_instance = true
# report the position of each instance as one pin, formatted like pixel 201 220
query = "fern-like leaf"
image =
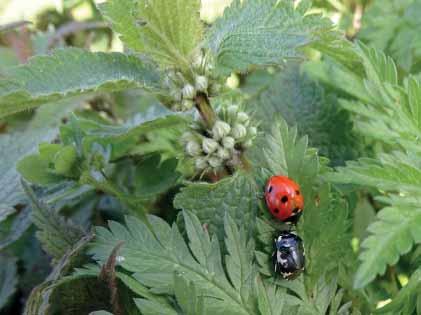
pixel 395 232
pixel 155 256
pixel 56 234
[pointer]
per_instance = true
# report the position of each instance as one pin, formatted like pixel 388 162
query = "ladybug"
pixel 288 257
pixel 284 198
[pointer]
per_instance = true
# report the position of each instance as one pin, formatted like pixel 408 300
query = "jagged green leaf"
pixel 167 31
pixel 8 278
pixel 308 105
pixel 43 127
pixel 262 32
pixel 155 256
pixel 390 172
pixel 270 298
pixel 56 234
pixel 405 301
pixel 286 154
pixel 68 72
pixel 234 195
pixel 190 301
pixel 392 26
pixel 392 235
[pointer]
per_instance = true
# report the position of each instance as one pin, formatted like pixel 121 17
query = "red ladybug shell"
pixel 284 198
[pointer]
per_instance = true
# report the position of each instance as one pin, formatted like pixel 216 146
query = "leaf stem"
pixel 206 111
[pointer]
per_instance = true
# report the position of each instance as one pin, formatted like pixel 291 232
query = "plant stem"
pixel 203 106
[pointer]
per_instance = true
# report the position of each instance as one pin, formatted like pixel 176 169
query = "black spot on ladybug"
pixel 284 199
pixel 297 192
pixel 276 210
pixel 270 189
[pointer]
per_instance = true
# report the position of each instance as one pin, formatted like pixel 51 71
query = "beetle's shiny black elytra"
pixel 288 257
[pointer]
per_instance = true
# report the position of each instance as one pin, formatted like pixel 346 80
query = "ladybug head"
pixel 283 198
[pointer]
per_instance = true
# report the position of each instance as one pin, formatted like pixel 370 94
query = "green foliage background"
pixel 102 212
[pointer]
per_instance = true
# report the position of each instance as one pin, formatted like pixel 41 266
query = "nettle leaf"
pixel 286 154
pixel 43 127
pixel 121 139
pixel 154 257
pixel 190 301
pixel 308 105
pixel 8 278
pixel 270 298
pixel 397 229
pixel 167 31
pixel 392 27
pixel 390 172
pixel 234 195
pixel 262 33
pixel 68 72
pixel 56 234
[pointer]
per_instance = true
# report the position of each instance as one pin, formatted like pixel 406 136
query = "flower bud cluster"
pixel 183 88
pixel 212 149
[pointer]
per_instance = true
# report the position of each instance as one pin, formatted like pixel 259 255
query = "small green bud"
pixel 176 94
pixel 232 110
pixel 238 131
pixel 233 81
pixel 188 91
pixel 223 154
pixel 248 143
pixel 209 145
pixel 252 131
pixel 215 162
pixel 243 118
pixel 228 142
pixel 201 83
pixel 220 129
pixel 201 163
pixel 65 159
pixel 193 148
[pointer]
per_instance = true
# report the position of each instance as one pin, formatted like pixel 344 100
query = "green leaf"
pixel 120 139
pixel 262 32
pixel 56 234
pixel 405 301
pixel 306 104
pixel 234 195
pixel 68 72
pixel 325 228
pixel 270 298
pixel 43 127
pixel 8 279
pixel 392 27
pixel 390 172
pixel 155 256
pixel 35 170
pixel 187 297
pixel 153 177
pixel 395 232
pixel 152 308
pixel 167 31
pixel 286 154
